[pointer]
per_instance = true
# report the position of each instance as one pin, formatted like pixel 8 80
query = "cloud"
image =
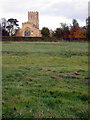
pixel 51 12
pixel 68 9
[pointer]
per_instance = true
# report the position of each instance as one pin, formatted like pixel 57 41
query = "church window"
pixel 27 32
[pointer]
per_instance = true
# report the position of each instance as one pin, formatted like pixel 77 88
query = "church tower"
pixel 31 27
pixel 33 19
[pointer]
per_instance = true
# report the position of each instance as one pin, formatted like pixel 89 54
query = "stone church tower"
pixel 31 27
pixel 33 18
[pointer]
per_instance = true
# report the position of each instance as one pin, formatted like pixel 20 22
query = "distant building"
pixel 31 27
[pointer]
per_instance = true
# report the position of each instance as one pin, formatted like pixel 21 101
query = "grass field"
pixel 45 80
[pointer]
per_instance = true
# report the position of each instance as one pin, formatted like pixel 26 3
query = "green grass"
pixel 45 80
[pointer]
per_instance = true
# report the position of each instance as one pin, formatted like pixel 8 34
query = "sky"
pixel 51 12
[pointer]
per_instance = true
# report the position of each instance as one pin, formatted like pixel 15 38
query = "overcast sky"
pixel 51 12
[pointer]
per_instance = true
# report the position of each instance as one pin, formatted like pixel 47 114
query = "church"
pixel 31 27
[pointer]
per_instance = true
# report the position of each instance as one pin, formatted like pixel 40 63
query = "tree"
pixel 12 26
pixel 75 23
pixel 5 32
pixel 88 27
pixel 3 23
pixel 45 32
pixel 65 30
pixel 3 27
pixel 58 33
pixel 78 32
pixel 74 29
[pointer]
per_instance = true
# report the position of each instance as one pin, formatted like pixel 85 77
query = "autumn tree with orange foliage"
pixel 76 31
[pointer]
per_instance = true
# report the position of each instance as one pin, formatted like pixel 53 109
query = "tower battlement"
pixel 32 11
pixel 33 18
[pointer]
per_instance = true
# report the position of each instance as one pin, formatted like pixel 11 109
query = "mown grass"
pixel 45 80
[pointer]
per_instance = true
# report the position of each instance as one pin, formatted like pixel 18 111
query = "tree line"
pixel 65 31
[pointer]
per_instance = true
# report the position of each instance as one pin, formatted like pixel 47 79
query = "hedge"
pixel 40 39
